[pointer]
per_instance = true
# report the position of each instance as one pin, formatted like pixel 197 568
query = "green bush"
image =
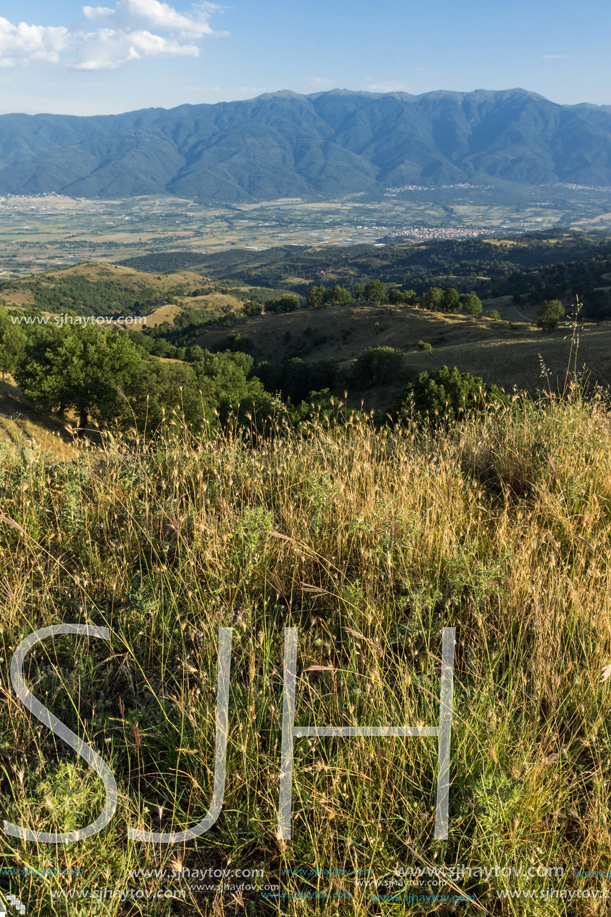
pixel 424 345
pixel 376 366
pixel 550 314
pixel 446 396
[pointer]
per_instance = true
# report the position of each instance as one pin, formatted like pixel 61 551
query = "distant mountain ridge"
pixel 312 146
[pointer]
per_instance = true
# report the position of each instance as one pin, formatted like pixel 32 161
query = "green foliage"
pixel 396 296
pixel 550 314
pixel 424 345
pixel 165 392
pixel 316 297
pixel 252 308
pixel 83 368
pixel 471 304
pixel 339 294
pixel 12 343
pixel 288 303
pixel 234 342
pixel 375 291
pixel 450 300
pixel 194 353
pixel 295 379
pixel 445 396
pixel 376 366
pixel 493 314
pixel 432 299
pixel 102 296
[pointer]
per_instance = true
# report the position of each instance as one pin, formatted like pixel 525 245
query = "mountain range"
pixel 315 146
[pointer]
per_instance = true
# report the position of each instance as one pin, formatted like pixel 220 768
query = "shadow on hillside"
pixel 19 419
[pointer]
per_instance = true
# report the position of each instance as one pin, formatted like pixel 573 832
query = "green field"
pixel 43 231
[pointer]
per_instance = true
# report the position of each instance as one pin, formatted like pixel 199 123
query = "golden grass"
pixel 370 541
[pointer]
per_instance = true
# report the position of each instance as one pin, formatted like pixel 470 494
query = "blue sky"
pixel 121 55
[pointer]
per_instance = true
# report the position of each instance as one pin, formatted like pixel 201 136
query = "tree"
pixel 550 314
pixel 194 353
pixel 376 366
pixel 471 303
pixel 252 308
pixel 12 343
pixel 375 291
pixel 288 303
pixel 398 296
pixel 446 396
pixel 431 299
pixel 450 300
pixel 316 297
pixel 83 368
pixel 161 391
pixel 340 295
pixel 359 290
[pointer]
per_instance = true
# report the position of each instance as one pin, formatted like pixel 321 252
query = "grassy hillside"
pixel 370 542
pixel 94 288
pixel 505 353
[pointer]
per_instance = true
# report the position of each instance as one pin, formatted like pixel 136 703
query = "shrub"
pixel 376 366
pixel 471 303
pixel 424 345
pixel 492 313
pixel 550 314
pixel 446 396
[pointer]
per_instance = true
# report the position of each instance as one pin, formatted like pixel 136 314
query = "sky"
pixel 67 58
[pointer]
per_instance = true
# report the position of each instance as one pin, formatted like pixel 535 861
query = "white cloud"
pixel 151 14
pixel 22 43
pixel 108 49
pixel 132 30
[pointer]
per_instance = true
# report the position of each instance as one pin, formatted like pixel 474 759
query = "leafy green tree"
pixel 12 343
pixel 194 353
pixel 492 313
pixel 398 296
pixel 359 291
pixel 165 393
pixel 375 291
pixel 84 368
pixel 450 300
pixel 316 297
pixel 252 308
pixel 288 303
pixel 431 299
pixel 445 396
pixel 376 366
pixel 340 295
pixel 550 314
pixel 471 303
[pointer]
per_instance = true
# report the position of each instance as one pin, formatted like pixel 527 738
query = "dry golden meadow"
pixel 370 541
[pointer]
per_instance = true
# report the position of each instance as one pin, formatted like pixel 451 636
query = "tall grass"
pixel 370 542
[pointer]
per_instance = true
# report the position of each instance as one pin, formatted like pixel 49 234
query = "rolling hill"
pixel 316 146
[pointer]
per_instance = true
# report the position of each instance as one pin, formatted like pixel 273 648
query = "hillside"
pixel 100 289
pixel 323 145
pixel 370 543
pixel 508 354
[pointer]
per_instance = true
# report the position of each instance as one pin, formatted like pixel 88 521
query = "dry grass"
pixel 369 541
